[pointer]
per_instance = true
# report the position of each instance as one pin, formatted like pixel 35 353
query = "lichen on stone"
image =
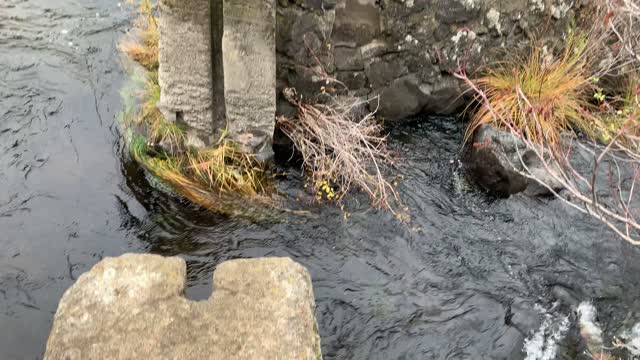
pixel 493 17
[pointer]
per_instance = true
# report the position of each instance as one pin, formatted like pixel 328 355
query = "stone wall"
pixel 404 50
pixel 132 307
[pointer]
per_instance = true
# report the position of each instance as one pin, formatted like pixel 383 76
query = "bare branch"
pixel 342 147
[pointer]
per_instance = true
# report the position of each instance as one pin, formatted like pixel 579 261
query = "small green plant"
pixel 599 95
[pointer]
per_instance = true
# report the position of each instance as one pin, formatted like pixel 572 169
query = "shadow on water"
pixel 470 277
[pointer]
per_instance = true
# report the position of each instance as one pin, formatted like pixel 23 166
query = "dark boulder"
pixel 498 161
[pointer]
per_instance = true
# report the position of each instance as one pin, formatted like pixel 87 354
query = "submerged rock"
pixel 497 160
pixel 132 307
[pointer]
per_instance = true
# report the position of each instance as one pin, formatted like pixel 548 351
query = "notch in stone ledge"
pixel 218 69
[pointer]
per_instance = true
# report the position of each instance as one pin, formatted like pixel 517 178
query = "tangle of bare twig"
pixel 343 146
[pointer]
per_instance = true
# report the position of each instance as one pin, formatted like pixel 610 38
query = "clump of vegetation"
pixel 558 104
pixel 220 170
pixel 226 169
pixel 617 111
pixel 540 96
pixel 342 149
pixel 145 50
pixel 161 132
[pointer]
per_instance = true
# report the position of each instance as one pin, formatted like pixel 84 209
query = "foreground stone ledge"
pixel 132 307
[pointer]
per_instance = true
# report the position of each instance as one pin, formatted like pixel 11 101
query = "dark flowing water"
pixel 471 277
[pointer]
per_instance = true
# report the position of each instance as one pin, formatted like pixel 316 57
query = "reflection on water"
pixel 470 277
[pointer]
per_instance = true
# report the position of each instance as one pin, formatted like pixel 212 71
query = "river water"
pixel 470 277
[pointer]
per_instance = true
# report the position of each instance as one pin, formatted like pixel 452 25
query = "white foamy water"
pixel 543 343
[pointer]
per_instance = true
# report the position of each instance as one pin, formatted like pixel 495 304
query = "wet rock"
pixel 564 295
pixel 496 160
pixel 357 22
pixel 443 96
pixel 304 50
pixel 351 79
pixel 456 12
pixel 348 59
pixel 402 98
pixel 524 316
pixel 132 307
pixel 382 72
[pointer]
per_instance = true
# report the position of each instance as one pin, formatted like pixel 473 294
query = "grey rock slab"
pixel 132 307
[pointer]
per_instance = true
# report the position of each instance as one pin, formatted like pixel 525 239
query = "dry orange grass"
pixel 541 95
pixel 211 178
pixel 145 49
pixel 225 169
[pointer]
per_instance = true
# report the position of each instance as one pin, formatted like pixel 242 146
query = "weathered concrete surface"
pixel 249 60
pixel 131 307
pixel 186 74
pixel 404 50
pixel 497 160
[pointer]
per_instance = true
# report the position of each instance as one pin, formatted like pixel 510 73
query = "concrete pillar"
pixel 186 75
pixel 218 70
pixel 249 60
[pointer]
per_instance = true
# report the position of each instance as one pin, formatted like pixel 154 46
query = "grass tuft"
pixel 540 96
pixel 144 52
pixel 226 169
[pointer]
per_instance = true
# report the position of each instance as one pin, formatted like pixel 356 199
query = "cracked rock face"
pixel 404 50
pixel 132 307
